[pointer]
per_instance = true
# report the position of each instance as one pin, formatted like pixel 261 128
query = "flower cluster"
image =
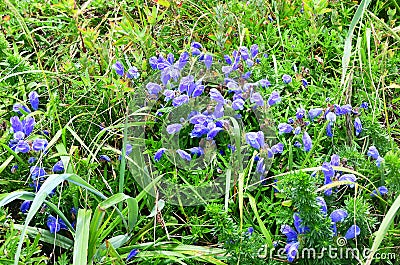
pixel 293 244
pixel 257 141
pixel 330 174
pixel 373 152
pixel 22 128
pixel 55 224
pixel 132 73
pixel 178 87
pixel 331 113
pixel 336 216
pixel 24 141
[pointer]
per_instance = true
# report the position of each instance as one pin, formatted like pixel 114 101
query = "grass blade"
pixel 51 183
pixel 5 163
pixel 82 237
pixel 347 44
pixel 46 236
pixel 386 222
pixel 133 212
pixel 264 230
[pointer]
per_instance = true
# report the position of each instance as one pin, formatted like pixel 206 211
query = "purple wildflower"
pixel 291 250
pixel 213 132
pixel 25 206
pixel 274 98
pixel 132 254
pixel 208 60
pixel 373 152
pixel 34 100
pixel 382 190
pixel 338 215
pixel 300 113
pixel 105 158
pixel 307 142
pixel 55 224
pixel 286 79
pixel 198 151
pixel 174 128
pixel 297 224
pixel 217 96
pixel 32 160
pixel 297 144
pixel 22 147
pixel 260 168
pixel 159 153
pixel 357 125
pixel 169 94
pixel 16 124
pixel 153 88
pixel 335 160
pixel 348 177
pixel 255 139
pixel 264 83
pixel 364 105
pixel 285 128
pixel 37 172
pixel 314 113
pixel 379 160
pixel 58 167
pixel 327 170
pixel 277 149
pixel 178 101
pixel 289 233
pixel 133 72
pixel 17 107
pixel 238 104
pixel 119 68
pixel 19 136
pixel 39 145
pixel 353 232
pixel 257 98
pixel 331 117
pixel 321 202
pixel 228 59
pixel 184 155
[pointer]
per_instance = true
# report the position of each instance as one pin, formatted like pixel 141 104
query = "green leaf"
pixel 5 163
pixel 114 254
pixel 347 44
pixel 287 203
pixel 157 208
pixel 82 237
pixel 113 200
pixel 386 223
pixel 133 212
pixel 164 3
pixel 46 236
pixel 50 183
pixel 264 230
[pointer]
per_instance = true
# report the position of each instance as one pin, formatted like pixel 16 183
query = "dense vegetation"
pixel 184 132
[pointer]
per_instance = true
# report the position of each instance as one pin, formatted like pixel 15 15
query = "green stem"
pixel 123 162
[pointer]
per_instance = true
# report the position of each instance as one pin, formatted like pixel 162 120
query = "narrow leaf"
pixel 82 237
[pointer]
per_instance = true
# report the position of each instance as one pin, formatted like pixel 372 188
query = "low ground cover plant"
pixel 174 132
